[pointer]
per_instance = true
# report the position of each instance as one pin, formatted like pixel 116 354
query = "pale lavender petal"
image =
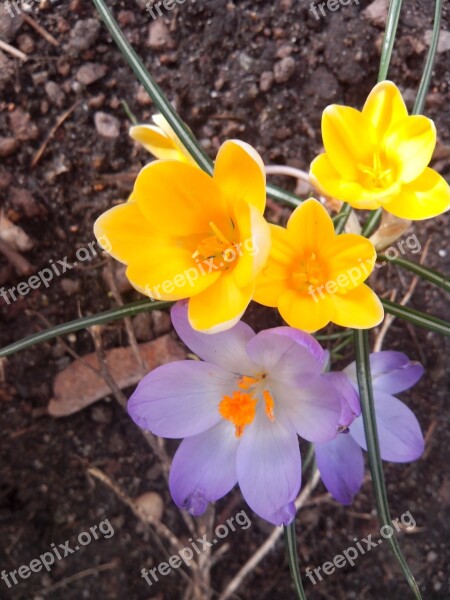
pixel 282 357
pixel 399 433
pixel 180 398
pixel 314 408
pixel 350 400
pixel 341 466
pixel 391 371
pixel 306 340
pixel 269 468
pixel 204 468
pixel 226 349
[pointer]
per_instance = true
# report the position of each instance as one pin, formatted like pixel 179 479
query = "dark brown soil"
pixel 216 64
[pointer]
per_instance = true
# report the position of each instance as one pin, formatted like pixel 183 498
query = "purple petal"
pixel 282 357
pixel 226 349
pixel 392 372
pixel 314 408
pixel 304 339
pixel 341 466
pixel 180 398
pixel 204 468
pixel 269 468
pixel 399 433
pixel 349 398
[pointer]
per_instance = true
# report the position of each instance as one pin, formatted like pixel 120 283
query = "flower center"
pixel 376 176
pixel 240 407
pixel 308 271
pixel 216 249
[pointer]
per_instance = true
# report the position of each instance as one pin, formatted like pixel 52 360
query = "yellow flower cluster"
pixel 185 234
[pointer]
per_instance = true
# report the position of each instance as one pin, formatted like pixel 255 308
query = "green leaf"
pixel 373 450
pixel 416 317
pixel 389 38
pixel 159 98
pixel 422 92
pixel 291 551
pixel 423 272
pixel 128 310
pixel 341 218
pixel 372 222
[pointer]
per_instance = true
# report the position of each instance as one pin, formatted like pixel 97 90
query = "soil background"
pixel 261 71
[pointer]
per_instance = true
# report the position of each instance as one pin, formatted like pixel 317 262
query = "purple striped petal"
pixel 306 340
pixel 226 349
pixel 399 433
pixel 341 466
pixel 351 407
pixel 314 408
pixel 204 468
pixel 269 468
pixel 180 398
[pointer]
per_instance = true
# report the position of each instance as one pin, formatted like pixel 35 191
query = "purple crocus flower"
pixel 239 412
pixel 340 461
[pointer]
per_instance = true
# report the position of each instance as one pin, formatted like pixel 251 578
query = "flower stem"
pixel 389 38
pixel 291 551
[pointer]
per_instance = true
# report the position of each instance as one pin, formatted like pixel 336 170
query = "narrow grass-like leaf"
pixel 423 272
pixel 416 317
pixel 291 551
pixel 341 218
pixel 128 310
pixel 373 450
pixel 389 38
pixel 422 92
pixel 372 222
pixel 166 109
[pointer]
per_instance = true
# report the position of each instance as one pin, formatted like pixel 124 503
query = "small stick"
pixel 47 36
pixel 52 132
pixel 81 575
pixel 13 51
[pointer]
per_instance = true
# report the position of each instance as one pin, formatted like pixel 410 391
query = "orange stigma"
pixel 240 409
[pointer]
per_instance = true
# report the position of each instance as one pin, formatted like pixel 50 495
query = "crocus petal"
pixel 204 468
pixel 309 312
pixel 384 107
pixel 155 141
pixel 314 408
pixel 344 147
pixel 226 349
pixel 282 357
pixel 409 145
pixel 220 306
pixel 240 174
pixel 180 398
pixel 423 198
pixel 399 433
pixel 303 339
pixel 180 199
pixel 351 407
pixel 311 225
pixel 269 469
pixel 328 181
pixel 351 259
pixel 341 466
pixel 393 372
pixel 359 308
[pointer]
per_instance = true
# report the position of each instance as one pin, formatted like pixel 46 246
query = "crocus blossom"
pixel 161 140
pixel 314 276
pixel 379 157
pixel 185 234
pixel 239 412
pixel 340 461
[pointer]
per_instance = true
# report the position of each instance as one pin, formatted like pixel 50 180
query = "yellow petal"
pixel 328 181
pixel 384 107
pixel 253 248
pixel 163 124
pixel 240 174
pixel 409 146
pixel 155 141
pixel 350 260
pixel 268 291
pixel 311 226
pixel 179 199
pixel 360 308
pixel 349 139
pixel 167 272
pixel 425 197
pixel 124 232
pixel 308 312
pixel 220 306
